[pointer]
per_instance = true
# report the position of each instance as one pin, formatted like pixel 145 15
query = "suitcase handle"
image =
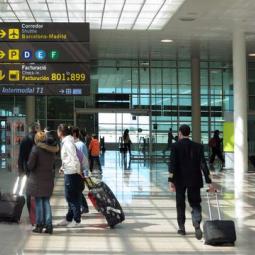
pixel 209 205
pixel 22 185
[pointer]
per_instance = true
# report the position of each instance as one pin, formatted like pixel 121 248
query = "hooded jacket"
pixel 70 161
pixel 41 166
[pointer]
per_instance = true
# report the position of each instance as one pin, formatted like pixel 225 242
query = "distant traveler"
pixel 215 144
pixel 40 182
pixel 81 146
pixel 73 182
pixel 187 162
pixel 79 143
pixel 127 141
pixel 25 149
pixel 169 140
pixel 94 149
pixel 83 135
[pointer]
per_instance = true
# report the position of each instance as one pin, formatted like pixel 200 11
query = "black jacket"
pixel 187 163
pixel 25 149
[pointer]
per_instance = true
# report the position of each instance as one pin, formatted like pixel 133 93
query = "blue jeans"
pixel 43 211
pixel 73 191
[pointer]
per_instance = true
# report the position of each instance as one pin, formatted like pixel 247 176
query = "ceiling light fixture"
pixel 166 41
pixel 252 55
pixel 187 19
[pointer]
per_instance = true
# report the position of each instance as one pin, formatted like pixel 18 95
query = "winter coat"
pixel 41 166
pixel 70 161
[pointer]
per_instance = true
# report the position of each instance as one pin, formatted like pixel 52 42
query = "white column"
pixel 240 109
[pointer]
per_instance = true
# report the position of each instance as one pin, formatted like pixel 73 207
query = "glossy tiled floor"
pixel 150 227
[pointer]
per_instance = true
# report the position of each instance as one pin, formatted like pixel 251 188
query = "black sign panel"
pixel 44 52
pixel 44 32
pixel 44 74
pixel 45 90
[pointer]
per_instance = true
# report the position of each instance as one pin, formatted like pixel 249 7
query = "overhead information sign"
pixel 44 73
pixel 44 59
pixel 45 90
pixel 44 32
pixel 44 52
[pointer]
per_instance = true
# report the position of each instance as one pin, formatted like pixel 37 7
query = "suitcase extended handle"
pixel 22 185
pixel 209 205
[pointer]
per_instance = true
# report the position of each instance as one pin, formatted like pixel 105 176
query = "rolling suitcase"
pixel 218 232
pixel 105 202
pixel 11 204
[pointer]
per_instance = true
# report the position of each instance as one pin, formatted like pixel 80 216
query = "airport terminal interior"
pixel 143 65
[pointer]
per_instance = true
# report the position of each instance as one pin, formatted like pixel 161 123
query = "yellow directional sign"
pixel 13 54
pixel 2 75
pixel 13 34
pixel 2 54
pixel 2 33
pixel 13 75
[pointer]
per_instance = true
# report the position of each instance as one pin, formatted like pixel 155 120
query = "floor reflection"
pixel 150 226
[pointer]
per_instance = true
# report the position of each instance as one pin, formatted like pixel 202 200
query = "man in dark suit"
pixel 185 175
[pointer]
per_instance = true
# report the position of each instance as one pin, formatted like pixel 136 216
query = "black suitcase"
pixel 105 202
pixel 218 232
pixel 11 205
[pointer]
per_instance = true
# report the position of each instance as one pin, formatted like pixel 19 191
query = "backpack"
pixel 83 160
pixel 213 143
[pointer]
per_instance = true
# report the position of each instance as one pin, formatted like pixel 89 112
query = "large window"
pixel 112 126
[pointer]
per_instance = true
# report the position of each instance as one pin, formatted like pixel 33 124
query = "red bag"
pixel 32 211
pixel 93 200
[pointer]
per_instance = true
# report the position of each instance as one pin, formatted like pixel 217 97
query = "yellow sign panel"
pixel 13 54
pixel 2 33
pixel 14 75
pixel 2 54
pixel 13 34
pixel 2 75
pixel 228 136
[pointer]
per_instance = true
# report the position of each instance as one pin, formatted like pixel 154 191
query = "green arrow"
pixel 2 75
pixel 2 33
pixel 2 54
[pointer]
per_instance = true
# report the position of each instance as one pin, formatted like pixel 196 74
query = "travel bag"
pixel 218 232
pixel 105 202
pixel 11 204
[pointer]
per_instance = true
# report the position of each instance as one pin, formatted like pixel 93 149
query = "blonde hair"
pixel 40 137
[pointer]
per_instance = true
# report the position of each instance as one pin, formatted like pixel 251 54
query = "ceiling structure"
pixel 101 14
pixel 135 28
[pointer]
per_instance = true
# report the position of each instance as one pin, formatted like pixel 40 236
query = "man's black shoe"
pixel 84 210
pixel 198 233
pixel 182 231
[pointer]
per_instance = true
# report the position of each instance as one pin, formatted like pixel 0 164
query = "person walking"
pixel 215 144
pixel 169 140
pixel 187 162
pixel 40 182
pixel 94 149
pixel 82 148
pixel 74 184
pixel 127 141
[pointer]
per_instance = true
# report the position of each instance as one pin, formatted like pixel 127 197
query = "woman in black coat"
pixel 41 179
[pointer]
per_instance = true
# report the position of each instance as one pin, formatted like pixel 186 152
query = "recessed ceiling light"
pixel 166 40
pixel 252 55
pixel 187 19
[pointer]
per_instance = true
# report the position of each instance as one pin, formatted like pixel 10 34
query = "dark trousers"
pixel 95 159
pixel 73 197
pixel 127 147
pixel 218 153
pixel 194 198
